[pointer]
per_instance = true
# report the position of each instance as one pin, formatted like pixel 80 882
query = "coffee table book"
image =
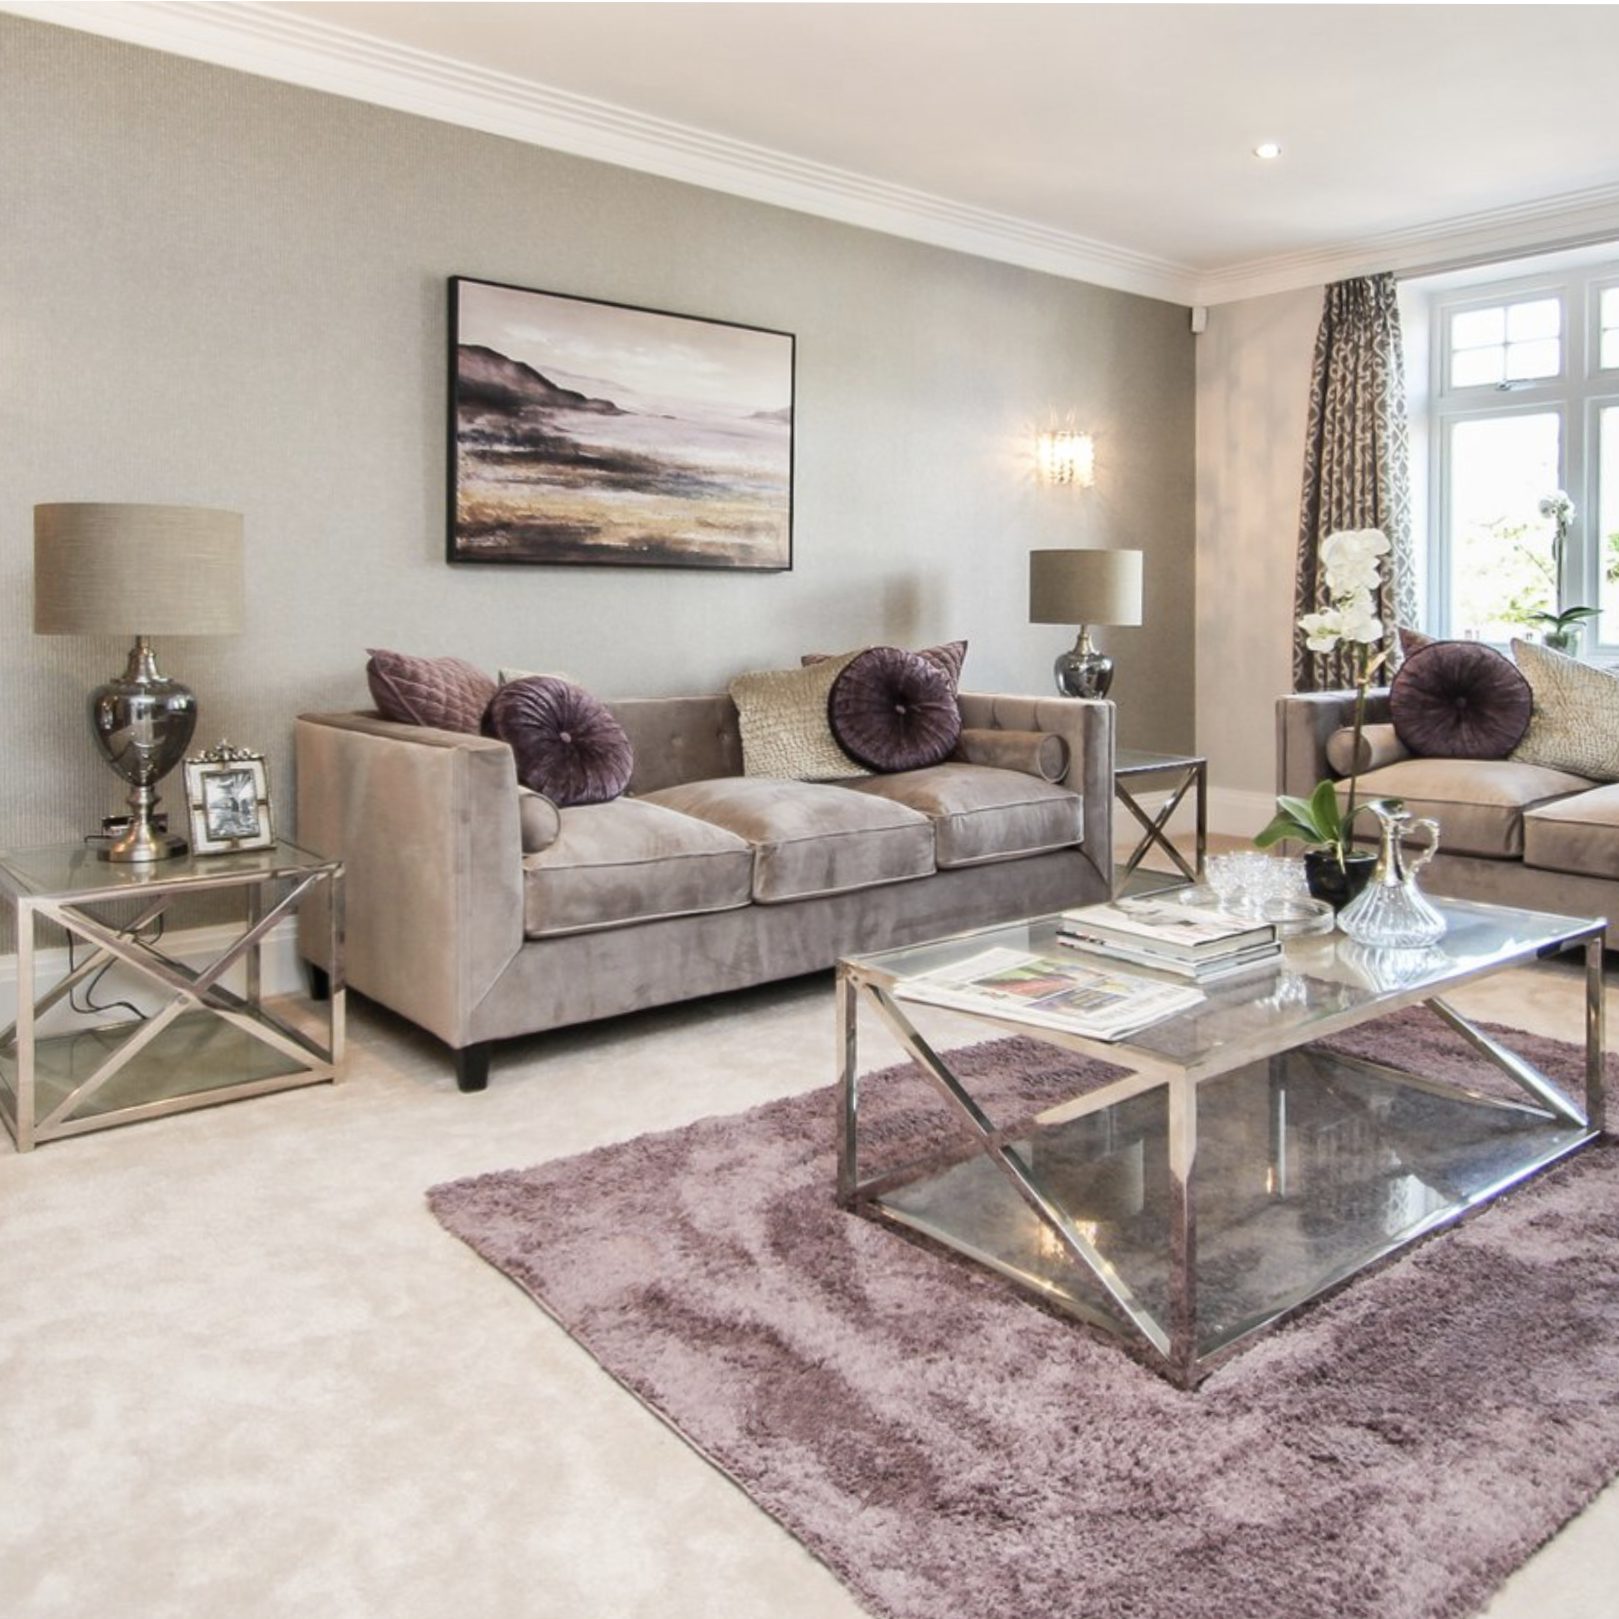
pixel 1167 928
pixel 1248 958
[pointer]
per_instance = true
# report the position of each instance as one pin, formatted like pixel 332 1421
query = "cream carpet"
pixel 246 1373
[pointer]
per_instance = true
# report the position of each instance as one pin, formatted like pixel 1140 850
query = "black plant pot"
pixel 1336 884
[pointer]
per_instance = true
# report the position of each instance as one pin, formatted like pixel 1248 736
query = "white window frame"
pixel 1577 394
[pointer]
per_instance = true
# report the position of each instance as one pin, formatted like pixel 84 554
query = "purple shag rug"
pixel 945 1446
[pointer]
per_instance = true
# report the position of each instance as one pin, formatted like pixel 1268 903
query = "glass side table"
pixel 1186 771
pixel 207 1043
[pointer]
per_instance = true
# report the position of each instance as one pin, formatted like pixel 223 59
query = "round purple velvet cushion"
pixel 1460 700
pixel 893 710
pixel 568 745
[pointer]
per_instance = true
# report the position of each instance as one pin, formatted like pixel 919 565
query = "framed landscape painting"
pixel 584 431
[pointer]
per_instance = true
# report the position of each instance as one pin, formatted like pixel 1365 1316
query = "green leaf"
pixel 1324 813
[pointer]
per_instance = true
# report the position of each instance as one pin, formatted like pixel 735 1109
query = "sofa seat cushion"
pixel 631 861
pixel 808 837
pixel 980 813
pixel 1478 803
pixel 1579 834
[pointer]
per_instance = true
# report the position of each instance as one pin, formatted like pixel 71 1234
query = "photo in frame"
pixel 583 431
pixel 228 801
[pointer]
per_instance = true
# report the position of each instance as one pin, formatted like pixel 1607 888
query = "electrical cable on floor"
pixel 90 1005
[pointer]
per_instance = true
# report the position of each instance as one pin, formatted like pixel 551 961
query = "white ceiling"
pixel 1112 142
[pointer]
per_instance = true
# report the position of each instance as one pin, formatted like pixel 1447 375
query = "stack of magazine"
pixel 1193 941
pixel 1089 999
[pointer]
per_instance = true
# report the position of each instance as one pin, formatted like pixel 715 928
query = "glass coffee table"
pixel 1240 1164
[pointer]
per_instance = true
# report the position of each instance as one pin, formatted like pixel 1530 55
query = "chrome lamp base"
pixel 1082 671
pixel 143 723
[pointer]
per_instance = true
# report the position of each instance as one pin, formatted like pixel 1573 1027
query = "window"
pixel 1525 403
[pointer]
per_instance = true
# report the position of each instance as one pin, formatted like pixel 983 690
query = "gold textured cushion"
pixel 1575 723
pixel 781 714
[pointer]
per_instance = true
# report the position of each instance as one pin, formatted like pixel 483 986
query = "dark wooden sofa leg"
pixel 320 982
pixel 472 1066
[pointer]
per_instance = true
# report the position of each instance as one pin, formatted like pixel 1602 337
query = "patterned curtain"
pixel 1356 473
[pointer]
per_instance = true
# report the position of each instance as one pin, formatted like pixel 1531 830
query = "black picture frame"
pixel 673 472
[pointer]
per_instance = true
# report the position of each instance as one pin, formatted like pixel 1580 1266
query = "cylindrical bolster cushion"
pixel 1379 746
pixel 539 820
pixel 1035 753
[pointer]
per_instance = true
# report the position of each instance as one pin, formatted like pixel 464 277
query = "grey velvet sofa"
pixel 699 880
pixel 1510 833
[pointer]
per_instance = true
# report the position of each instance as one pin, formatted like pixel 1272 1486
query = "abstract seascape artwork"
pixel 592 432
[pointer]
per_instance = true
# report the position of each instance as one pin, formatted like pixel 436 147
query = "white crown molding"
pixel 1570 220
pixel 262 40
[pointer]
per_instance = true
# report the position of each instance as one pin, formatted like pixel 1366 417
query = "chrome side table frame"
pixel 193 992
pixel 1191 772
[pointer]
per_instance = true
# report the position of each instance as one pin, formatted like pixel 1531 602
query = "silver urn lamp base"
pixel 1082 671
pixel 143 723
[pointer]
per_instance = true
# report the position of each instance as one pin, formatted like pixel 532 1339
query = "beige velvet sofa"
pixel 1510 833
pixel 699 880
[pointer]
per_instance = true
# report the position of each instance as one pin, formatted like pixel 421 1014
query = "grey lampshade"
pixel 1084 587
pixel 107 569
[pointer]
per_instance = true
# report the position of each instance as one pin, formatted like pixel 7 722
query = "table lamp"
pixel 1084 588
pixel 141 570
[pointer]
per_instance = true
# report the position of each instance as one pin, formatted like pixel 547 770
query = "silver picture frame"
pixel 228 801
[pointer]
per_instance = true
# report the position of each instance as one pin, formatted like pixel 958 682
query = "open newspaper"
pixel 1079 997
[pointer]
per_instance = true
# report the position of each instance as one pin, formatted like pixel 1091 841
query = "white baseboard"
pixel 280 973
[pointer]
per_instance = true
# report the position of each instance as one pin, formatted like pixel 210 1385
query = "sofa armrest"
pixel 1305 721
pixel 1086 725
pixel 426 824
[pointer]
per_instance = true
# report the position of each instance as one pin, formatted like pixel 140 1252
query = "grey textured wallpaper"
pixel 220 290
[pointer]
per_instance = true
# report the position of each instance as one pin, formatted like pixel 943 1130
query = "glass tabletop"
pixel 76 870
pixel 1319 986
pixel 1136 761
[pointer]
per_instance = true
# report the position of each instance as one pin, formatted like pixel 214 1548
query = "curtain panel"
pixel 1356 465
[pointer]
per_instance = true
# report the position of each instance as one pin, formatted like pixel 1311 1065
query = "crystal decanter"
pixel 1390 911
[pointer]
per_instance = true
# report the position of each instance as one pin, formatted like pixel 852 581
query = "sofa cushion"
pixel 781 715
pixel 947 658
pixel 1379 746
pixel 1478 803
pixel 448 694
pixel 631 861
pixel 891 710
pixel 981 814
pixel 1576 720
pixel 1459 700
pixel 1579 834
pixel 809 838
pixel 567 745
pixel 1037 753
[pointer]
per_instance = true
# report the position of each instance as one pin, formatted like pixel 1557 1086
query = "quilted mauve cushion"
pixel 1459 700
pixel 447 693
pixel 948 656
pixel 894 710
pixel 568 746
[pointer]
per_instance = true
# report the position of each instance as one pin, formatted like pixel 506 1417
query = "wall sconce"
pixel 1064 456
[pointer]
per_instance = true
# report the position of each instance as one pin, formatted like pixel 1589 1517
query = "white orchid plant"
pixel 1352 564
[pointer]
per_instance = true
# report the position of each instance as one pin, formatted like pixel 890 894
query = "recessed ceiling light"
pixel 1268 150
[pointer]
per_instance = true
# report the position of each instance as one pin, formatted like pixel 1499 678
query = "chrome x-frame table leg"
pixel 1119 1299
pixel 1155 836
